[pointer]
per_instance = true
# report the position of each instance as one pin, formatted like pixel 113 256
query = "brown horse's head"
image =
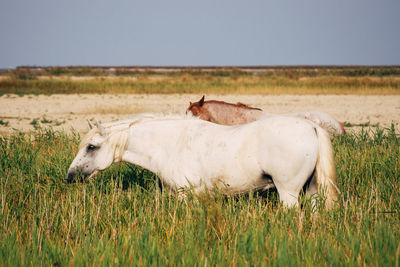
pixel 198 110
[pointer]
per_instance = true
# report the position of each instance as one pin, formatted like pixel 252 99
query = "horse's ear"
pixel 201 102
pixel 102 130
pixel 100 127
pixel 91 126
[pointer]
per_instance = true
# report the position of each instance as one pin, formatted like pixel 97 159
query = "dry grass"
pixel 364 81
pixel 123 217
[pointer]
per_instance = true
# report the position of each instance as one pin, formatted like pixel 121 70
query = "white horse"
pixel 190 153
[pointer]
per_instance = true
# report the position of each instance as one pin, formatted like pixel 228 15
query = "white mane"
pixel 116 134
pixel 142 117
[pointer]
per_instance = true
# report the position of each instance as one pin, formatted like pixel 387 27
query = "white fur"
pixel 322 119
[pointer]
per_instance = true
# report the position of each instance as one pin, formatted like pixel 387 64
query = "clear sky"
pixel 202 32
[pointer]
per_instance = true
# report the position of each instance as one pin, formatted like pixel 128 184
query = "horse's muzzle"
pixel 70 176
pixel 73 174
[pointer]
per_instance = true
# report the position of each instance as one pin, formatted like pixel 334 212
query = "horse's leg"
pixel 288 195
pixel 289 198
pixel 312 190
pixel 289 190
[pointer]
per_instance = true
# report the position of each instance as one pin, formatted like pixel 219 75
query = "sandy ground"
pixel 67 112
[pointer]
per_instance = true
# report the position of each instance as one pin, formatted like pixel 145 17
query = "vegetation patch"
pixel 233 80
pixel 124 216
pixel 4 123
pixel 362 124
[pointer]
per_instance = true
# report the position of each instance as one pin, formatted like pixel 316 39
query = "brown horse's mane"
pixel 238 104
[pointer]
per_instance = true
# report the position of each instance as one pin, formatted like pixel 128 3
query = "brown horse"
pixel 231 114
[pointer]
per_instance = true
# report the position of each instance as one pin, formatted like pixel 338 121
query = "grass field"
pixel 124 217
pixel 278 80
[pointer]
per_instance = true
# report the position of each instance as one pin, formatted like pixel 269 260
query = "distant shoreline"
pixel 211 66
pixel 352 70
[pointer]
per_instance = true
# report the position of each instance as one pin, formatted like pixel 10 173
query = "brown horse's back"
pixel 224 113
pixel 229 114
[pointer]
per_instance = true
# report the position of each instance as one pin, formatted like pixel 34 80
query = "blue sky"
pixel 196 33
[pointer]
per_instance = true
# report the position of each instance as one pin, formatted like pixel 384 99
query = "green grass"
pixel 124 217
pixel 361 80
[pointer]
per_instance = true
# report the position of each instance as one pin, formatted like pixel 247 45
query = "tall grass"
pixel 123 216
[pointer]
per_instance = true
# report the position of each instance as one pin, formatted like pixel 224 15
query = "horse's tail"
pixel 325 172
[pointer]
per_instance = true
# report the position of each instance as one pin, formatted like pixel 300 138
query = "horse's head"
pixel 195 108
pixel 97 151
pixel 199 110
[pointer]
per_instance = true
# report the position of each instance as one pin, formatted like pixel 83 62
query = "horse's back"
pixel 274 135
pixel 229 114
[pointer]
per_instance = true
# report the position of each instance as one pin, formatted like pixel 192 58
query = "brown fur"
pixel 235 113
pixel 241 105
pixel 201 102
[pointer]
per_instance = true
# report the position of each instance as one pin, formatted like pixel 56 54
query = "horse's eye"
pixel 91 147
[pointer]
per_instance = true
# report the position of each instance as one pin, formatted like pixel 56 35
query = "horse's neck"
pixel 148 145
